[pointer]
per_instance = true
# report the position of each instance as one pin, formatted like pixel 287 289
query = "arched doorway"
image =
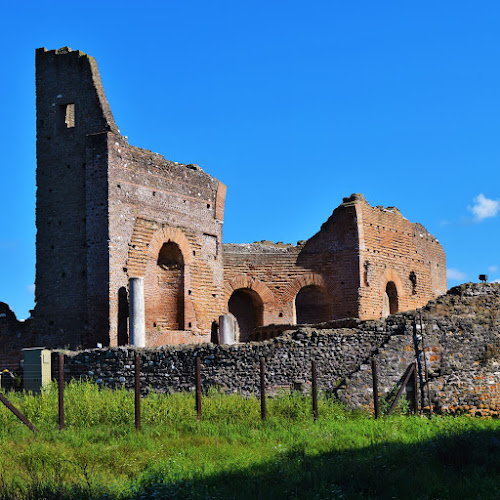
pixel 169 296
pixel 312 305
pixel 390 300
pixel 246 305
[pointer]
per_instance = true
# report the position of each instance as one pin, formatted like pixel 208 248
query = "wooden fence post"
pixel 375 387
pixel 137 391
pixel 61 391
pixel 415 388
pixel 198 387
pixel 314 390
pixel 262 390
pixel 17 413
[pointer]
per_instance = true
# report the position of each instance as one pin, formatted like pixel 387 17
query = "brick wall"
pixel 71 109
pixel 392 249
pixel 462 350
pixel 343 270
pixel 105 209
pixel 153 201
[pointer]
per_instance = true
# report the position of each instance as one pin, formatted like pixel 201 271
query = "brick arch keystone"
pixel 166 234
pixel 244 281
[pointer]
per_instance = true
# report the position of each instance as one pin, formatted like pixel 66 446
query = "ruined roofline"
pixel 67 52
pixel 266 246
pixel 159 161
pixel 156 159
pixel 420 231
pixel 62 50
pixel 263 247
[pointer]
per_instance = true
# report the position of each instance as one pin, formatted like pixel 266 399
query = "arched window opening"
pixel 246 305
pixel 390 300
pixel 170 293
pixel 312 305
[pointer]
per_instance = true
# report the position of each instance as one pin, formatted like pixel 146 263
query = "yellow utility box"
pixel 36 368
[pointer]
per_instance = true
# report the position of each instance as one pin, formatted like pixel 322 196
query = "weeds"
pixel 231 453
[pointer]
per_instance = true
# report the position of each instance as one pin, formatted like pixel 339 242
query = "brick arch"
pixel 244 281
pixel 391 275
pixel 297 284
pixel 166 234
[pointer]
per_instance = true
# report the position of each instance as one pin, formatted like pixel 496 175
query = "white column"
pixel 228 329
pixel 137 321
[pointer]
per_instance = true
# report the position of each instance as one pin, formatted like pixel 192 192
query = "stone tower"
pixel 107 211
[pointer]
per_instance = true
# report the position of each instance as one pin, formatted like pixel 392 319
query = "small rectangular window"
pixel 69 118
pixel 66 116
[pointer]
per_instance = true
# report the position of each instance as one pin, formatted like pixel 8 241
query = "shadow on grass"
pixel 461 466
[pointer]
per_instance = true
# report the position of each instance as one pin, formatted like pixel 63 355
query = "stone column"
pixel 137 326
pixel 228 329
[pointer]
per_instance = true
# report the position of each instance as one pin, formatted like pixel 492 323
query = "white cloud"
pixel 496 281
pixel 493 269
pixel 31 288
pixel 484 207
pixel 456 274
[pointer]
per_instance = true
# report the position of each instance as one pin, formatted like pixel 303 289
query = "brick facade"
pixel 365 262
pixel 108 211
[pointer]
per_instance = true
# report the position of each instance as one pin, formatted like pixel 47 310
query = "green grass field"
pixel 230 453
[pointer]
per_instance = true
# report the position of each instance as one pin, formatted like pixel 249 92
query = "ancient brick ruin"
pixel 107 211
pixel 365 262
pixel 460 374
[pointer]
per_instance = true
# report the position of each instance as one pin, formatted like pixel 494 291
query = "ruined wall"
pixel 153 201
pixel 105 210
pixel 462 349
pixel 232 368
pixel 461 333
pixel 72 118
pixel 108 211
pixel 325 265
pixel 349 261
pixel 14 336
pixel 392 249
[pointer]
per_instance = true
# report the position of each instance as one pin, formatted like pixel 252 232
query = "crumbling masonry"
pixel 107 211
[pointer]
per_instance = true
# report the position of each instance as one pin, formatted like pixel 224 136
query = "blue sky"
pixel 292 104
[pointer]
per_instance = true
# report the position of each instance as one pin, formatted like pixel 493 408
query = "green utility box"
pixel 36 368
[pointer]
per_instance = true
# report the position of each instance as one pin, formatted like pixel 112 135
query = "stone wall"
pixel 14 336
pixel 461 333
pixel 233 368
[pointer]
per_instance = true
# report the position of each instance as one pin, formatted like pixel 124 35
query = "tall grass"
pixel 231 453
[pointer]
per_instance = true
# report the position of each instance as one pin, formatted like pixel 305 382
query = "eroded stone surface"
pixel 462 349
